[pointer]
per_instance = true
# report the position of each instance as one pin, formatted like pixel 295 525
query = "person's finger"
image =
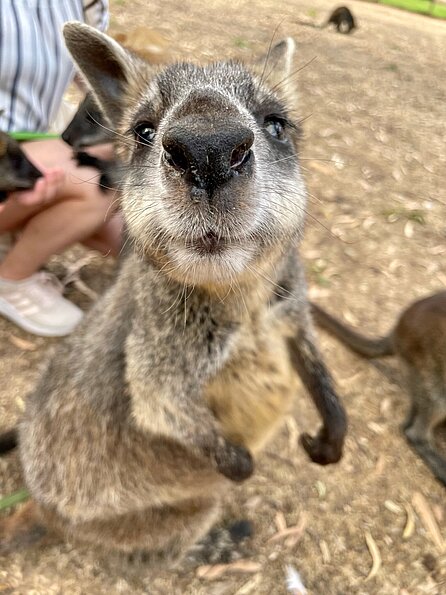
pixel 55 179
pixel 31 197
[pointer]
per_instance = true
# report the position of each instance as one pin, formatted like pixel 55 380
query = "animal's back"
pixel 420 333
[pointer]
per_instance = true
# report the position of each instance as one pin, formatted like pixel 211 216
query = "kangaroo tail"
pixel 365 346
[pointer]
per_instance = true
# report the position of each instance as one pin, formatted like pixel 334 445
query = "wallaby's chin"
pixel 222 266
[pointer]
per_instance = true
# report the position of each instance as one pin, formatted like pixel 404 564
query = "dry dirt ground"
pixel 374 154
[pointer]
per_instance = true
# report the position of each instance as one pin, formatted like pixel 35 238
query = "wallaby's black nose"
pixel 208 154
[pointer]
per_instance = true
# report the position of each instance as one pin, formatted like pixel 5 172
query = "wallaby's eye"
pixel 144 132
pixel 275 126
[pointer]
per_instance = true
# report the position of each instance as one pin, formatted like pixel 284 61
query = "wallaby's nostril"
pixel 177 159
pixel 242 152
pixel 175 153
pixel 240 156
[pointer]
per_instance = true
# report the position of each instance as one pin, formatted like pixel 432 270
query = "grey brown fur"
pixel 187 365
pixel 419 340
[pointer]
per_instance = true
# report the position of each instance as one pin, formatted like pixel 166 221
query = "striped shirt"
pixel 35 66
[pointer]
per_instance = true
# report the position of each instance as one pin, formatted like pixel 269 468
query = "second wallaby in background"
pixel 16 170
pixel 419 340
pixel 189 363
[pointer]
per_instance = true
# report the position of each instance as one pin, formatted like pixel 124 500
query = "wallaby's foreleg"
pixel 178 410
pixel 326 447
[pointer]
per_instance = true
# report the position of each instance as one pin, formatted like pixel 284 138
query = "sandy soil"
pixel 374 152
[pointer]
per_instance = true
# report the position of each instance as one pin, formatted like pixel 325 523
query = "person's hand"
pixel 45 189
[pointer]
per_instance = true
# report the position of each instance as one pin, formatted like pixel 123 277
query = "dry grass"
pixel 375 156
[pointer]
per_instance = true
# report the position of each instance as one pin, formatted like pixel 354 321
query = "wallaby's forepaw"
pixel 321 449
pixel 234 462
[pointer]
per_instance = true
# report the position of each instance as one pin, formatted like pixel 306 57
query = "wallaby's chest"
pixel 255 389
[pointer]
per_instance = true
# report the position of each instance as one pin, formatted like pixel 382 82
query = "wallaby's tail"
pixel 365 346
pixel 8 441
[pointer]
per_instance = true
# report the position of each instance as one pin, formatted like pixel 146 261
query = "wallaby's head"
pixel 213 185
pixel 16 171
pixel 88 126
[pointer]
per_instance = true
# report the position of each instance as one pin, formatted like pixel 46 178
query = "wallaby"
pixel 188 364
pixel 110 169
pixel 89 126
pixel 419 340
pixel 16 170
pixel 342 19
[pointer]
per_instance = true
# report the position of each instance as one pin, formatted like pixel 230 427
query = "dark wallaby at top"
pixel 342 19
pixel 189 363
pixel 419 340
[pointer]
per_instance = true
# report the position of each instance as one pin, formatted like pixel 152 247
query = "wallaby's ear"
pixel 107 67
pixel 277 64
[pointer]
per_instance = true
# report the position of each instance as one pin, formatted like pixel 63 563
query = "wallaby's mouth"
pixel 210 243
pixel 211 260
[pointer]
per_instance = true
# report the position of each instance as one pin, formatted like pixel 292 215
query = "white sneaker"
pixel 5 244
pixel 37 306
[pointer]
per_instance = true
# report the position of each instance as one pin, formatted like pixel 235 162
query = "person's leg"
pixel 80 210
pixel 108 239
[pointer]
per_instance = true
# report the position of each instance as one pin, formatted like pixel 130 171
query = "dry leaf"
pixel 213 572
pixel 408 229
pixel 379 467
pixel 280 521
pixel 326 557
pixel 249 587
pixel 291 532
pixel 427 518
pixel 376 556
pixel 410 522
pixel 22 343
pixel 293 433
pixel 393 507
pixel 376 428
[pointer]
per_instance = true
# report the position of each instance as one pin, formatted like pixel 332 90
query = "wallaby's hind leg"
pixel 25 528
pixel 222 544
pixel 428 410
pixel 159 536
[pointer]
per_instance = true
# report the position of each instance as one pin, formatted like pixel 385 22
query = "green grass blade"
pixel 13 499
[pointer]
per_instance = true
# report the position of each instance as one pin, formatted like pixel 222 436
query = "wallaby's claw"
pixel 321 449
pixel 234 462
